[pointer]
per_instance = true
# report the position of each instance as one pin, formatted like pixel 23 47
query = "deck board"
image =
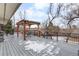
pixel 21 49
pixel 14 49
pixel 7 49
pixel 11 47
pixel 4 49
pixel 1 49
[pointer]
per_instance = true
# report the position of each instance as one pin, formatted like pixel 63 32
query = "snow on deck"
pixel 41 47
pixel 63 48
pixel 37 46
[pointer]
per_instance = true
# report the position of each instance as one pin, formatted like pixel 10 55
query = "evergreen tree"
pixel 8 27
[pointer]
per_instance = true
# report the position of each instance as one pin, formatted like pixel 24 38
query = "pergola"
pixel 26 23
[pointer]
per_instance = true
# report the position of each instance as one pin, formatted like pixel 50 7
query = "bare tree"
pixel 20 15
pixel 51 17
pixel 59 6
pixel 71 15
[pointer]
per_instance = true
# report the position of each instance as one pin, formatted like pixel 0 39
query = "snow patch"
pixel 35 46
pixel 20 42
pixel 42 47
pixel 59 38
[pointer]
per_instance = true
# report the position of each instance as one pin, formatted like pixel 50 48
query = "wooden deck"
pixel 11 47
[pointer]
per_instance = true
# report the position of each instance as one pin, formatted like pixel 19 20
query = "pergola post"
pixel 38 30
pixel 24 31
pixel 29 27
pixel 17 30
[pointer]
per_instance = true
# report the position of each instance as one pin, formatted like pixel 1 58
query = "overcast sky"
pixel 37 12
pixel 32 11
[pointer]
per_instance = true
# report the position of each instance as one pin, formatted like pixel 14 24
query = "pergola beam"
pixel 4 12
pixel 28 22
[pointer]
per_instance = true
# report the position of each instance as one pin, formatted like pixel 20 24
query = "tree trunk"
pixel 57 36
pixel 68 36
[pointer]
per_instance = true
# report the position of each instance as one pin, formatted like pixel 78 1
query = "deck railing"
pixel 73 36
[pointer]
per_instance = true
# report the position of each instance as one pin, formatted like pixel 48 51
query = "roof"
pixel 28 22
pixel 7 10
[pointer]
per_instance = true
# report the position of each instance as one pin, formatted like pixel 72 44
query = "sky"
pixel 37 12
pixel 32 11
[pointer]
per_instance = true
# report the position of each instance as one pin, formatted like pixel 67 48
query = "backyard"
pixel 36 46
pixel 32 29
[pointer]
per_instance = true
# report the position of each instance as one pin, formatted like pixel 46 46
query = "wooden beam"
pixel 4 12
pixel 28 22
pixel 38 31
pixel 17 30
pixel 24 31
pixel 16 9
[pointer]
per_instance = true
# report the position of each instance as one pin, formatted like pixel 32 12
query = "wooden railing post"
pixel 17 30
